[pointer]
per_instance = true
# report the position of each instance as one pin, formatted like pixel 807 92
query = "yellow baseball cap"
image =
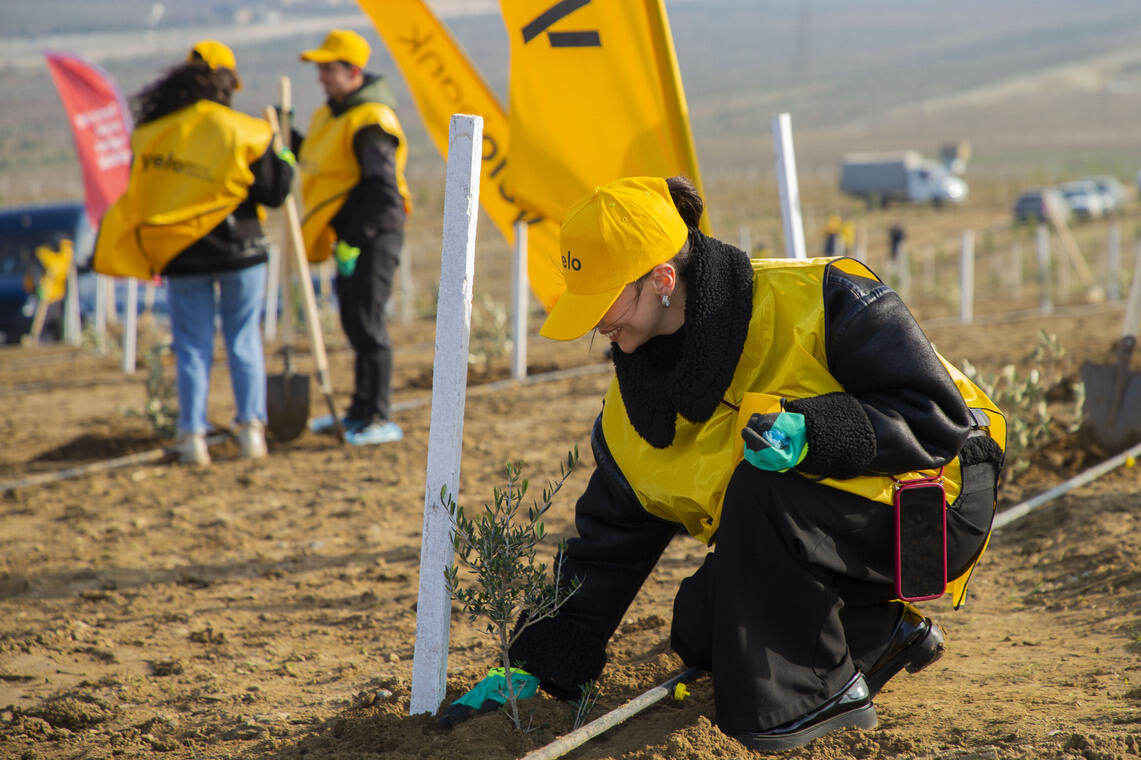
pixel 609 239
pixel 216 55
pixel 341 45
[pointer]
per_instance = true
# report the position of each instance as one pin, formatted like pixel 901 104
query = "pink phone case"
pixel 900 488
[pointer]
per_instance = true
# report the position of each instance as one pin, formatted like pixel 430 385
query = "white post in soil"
pixel 72 322
pixel 449 392
pixel 1113 262
pixel 519 304
pixel 789 188
pixel 745 239
pixel 131 325
pixel 112 300
pixel 272 282
pixel 967 278
pixel 1042 244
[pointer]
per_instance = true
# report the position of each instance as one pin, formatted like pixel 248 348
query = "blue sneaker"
pixel 381 431
pixel 324 424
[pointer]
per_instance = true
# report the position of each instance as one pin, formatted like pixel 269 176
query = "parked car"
pixel 1040 205
pixel 1083 198
pixel 1112 192
pixel 22 230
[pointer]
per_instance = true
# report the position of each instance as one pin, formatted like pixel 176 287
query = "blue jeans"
pixel 192 308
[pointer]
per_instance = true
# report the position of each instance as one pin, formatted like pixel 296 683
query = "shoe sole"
pixel 324 424
pixel 862 717
pixel 915 658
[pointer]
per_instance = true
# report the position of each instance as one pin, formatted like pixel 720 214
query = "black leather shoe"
pixel 916 642
pixel 851 707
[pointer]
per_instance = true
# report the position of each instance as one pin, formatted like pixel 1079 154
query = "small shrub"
pixel 160 409
pixel 510 589
pixel 1022 398
pixel 490 332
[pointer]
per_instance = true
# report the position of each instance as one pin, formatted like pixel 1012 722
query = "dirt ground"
pixel 267 609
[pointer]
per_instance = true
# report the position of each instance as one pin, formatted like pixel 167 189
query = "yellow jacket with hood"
pixel 331 169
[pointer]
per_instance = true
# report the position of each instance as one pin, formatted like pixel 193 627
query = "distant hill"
pixel 1039 88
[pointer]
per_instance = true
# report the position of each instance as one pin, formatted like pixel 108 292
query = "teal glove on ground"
pixel 489 695
pixel 346 256
pixel 775 442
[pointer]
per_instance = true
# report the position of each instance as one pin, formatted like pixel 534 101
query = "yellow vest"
pixel 784 357
pixel 189 171
pixel 329 169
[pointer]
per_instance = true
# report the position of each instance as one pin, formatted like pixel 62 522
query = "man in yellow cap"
pixel 356 202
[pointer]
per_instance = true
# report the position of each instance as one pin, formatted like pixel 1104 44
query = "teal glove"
pixel 489 695
pixel 775 441
pixel 346 256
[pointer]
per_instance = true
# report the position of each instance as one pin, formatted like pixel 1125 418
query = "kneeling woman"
pixel 767 408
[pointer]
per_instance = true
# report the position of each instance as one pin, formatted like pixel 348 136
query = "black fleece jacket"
pixel 900 411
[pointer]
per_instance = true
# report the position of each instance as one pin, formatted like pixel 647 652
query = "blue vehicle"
pixel 22 230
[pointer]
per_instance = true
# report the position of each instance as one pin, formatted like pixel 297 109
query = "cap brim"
pixel 319 55
pixel 575 315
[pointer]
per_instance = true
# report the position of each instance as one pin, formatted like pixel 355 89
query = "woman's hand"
pixel 775 441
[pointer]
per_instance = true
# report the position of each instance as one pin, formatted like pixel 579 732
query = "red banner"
pixel 101 125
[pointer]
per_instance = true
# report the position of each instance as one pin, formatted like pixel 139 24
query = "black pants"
pixel 363 297
pixel 797 594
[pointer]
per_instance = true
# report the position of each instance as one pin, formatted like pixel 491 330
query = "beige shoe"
pixel 251 439
pixel 192 449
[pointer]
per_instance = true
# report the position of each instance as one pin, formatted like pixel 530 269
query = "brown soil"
pixel 267 609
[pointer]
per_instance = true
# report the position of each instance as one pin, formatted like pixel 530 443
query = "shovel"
pixel 287 394
pixel 301 262
pixel 1113 393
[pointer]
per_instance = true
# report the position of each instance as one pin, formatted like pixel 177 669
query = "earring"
pixel 665 301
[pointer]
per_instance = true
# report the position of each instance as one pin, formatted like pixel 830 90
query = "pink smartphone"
pixel 920 540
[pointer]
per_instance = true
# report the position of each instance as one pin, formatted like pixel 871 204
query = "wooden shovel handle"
pixel 301 262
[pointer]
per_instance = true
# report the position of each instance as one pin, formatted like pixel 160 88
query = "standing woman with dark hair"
pixel 768 408
pixel 191 213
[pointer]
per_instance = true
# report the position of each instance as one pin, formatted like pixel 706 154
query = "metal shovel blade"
pixel 287 405
pixel 1112 412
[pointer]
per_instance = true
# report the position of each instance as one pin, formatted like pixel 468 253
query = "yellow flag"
pixel 595 95
pixel 443 82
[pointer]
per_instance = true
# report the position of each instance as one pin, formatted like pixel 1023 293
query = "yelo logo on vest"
pixel 176 165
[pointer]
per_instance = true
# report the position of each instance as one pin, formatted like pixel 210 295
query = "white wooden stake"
pixel 745 239
pixel 131 325
pixel 519 304
pixel 1042 245
pixel 112 300
pixel 449 392
pixel 72 321
pixel 967 278
pixel 789 189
